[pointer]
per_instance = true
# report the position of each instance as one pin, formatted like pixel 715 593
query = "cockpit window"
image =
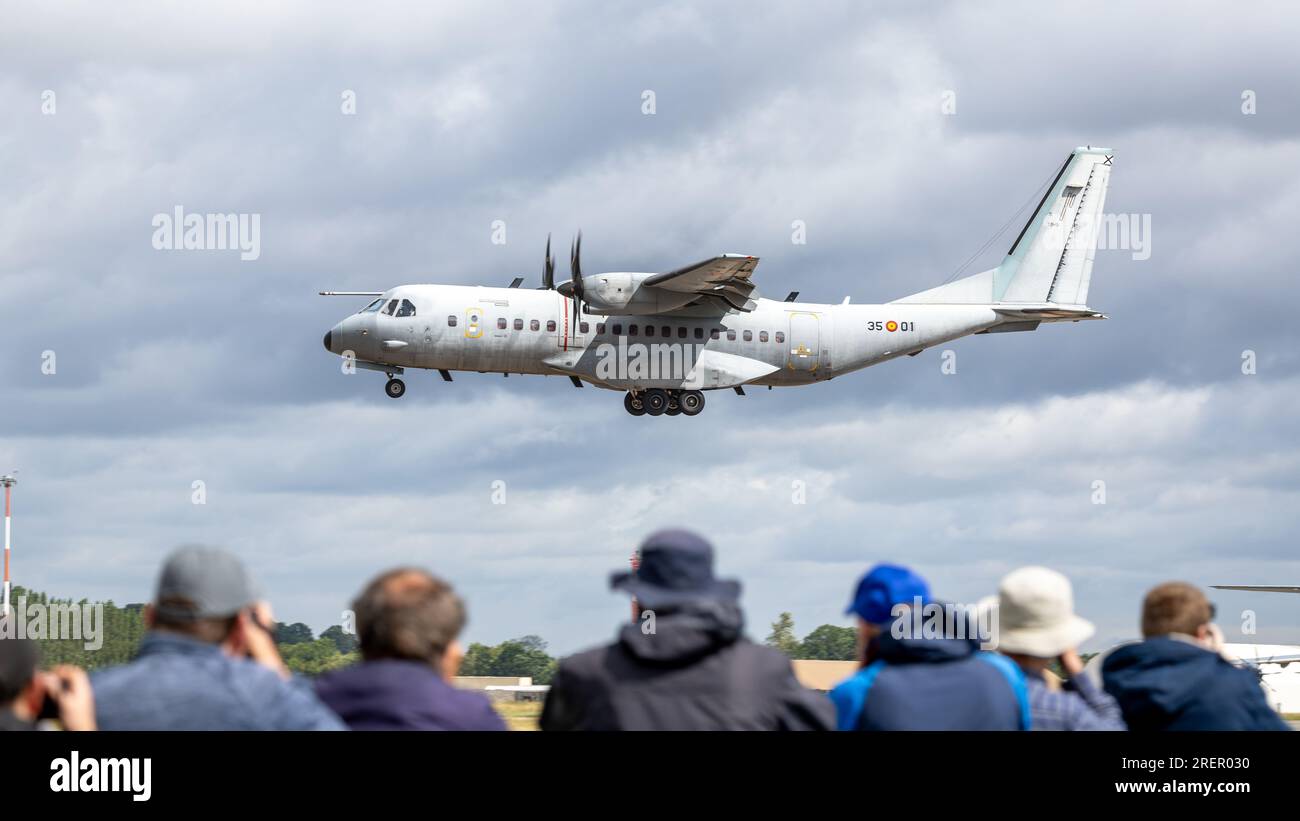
pixel 390 307
pixel 372 307
pixel 406 308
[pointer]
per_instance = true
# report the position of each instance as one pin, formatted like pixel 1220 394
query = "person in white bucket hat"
pixel 1036 625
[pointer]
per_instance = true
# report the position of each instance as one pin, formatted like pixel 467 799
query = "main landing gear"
pixel 395 387
pixel 658 402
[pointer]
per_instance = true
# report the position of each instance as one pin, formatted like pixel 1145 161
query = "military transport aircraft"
pixel 663 338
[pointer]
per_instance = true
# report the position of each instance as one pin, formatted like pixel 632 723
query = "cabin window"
pixel 713 333
pixel 681 332
pixel 600 328
pixel 749 336
pixel 631 330
pixel 731 336
pixel 699 333
pixel 618 329
pixel 550 325
pixel 534 325
pixel 584 327
pixel 519 324
pixel 451 321
pixel 780 336
pixel 501 323
pixel 762 336
pixel 666 332
pixel 649 330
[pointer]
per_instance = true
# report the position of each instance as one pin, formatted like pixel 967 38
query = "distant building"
pixel 522 692
pixel 822 676
pixel 484 682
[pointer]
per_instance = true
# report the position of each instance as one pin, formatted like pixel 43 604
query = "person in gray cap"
pixel 684 664
pixel 209 660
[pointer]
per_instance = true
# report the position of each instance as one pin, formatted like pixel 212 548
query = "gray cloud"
pixel 176 366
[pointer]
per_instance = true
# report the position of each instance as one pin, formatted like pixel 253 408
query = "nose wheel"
pixel 395 388
pixel 657 402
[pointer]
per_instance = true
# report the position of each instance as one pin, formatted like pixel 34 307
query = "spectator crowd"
pixel 209 662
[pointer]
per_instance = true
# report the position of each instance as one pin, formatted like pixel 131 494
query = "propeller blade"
pixel 575 266
pixel 548 269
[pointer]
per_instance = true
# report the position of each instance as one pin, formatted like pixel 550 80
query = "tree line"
pixel 310 654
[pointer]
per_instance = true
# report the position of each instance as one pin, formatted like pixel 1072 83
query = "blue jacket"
pixel 178 683
pixel 1167 684
pixel 933 684
pixel 390 694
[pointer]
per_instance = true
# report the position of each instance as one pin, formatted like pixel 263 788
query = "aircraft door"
pixel 803 344
pixel 474 337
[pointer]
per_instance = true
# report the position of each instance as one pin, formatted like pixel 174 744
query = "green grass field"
pixel 522 715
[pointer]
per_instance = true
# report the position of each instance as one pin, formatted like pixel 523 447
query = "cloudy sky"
pixel 172 367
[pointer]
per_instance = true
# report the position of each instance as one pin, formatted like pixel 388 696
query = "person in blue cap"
pixel 684 664
pixel 923 679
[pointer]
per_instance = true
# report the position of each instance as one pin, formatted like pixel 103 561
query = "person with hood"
pixel 408 625
pixel 1036 626
pixel 1177 678
pixel 921 666
pixel 684 664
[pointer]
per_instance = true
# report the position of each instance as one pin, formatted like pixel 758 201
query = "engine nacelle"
pixel 623 292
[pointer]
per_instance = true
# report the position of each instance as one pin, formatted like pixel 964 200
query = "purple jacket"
pixel 403 695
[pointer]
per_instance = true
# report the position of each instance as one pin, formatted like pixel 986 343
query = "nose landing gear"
pixel 659 402
pixel 395 388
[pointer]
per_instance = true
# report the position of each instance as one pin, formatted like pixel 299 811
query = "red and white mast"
pixel 8 481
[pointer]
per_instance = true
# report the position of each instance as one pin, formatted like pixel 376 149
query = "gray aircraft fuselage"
pixel 512 330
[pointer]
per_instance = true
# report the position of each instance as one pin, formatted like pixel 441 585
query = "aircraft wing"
pixel 1258 588
pixel 725 277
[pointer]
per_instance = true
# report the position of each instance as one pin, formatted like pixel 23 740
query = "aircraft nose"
pixel 328 334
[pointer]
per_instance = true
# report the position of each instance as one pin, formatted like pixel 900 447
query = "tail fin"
pixel 1051 259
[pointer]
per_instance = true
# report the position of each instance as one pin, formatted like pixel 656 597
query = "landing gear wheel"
pixel 692 402
pixel 395 388
pixel 655 401
pixel 633 404
pixel 674 405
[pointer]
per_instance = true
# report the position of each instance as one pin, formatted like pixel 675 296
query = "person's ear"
pixel 451 660
pixel 236 644
pixel 863 639
pixel 28 704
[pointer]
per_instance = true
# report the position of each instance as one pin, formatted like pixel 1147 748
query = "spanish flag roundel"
pixel 891 326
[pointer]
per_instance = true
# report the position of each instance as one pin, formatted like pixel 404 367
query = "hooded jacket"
pixel 1165 683
pixel 695 671
pixel 933 684
pixel 391 694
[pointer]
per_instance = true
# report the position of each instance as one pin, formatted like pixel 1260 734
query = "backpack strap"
pixel 850 696
pixel 1016 678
